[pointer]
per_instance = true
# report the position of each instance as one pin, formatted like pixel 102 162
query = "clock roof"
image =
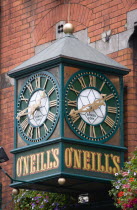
pixel 71 48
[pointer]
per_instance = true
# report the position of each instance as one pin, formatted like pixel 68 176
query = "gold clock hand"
pixel 32 108
pixel 38 104
pixel 22 113
pixel 95 105
pixel 92 106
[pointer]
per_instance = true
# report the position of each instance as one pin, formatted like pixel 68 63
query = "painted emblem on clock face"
pixel 92 106
pixel 37 107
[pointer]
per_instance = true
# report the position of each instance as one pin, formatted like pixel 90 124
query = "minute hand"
pixel 92 107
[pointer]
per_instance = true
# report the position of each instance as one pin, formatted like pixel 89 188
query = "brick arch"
pixel 78 14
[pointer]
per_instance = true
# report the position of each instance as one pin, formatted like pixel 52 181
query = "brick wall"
pixel 26 24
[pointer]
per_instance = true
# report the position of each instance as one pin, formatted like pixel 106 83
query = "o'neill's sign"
pixel 68 159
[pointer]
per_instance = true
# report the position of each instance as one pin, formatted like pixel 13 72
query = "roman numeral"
pixel 24 99
pixel 45 127
pixel 52 103
pixel 102 86
pixel 44 86
pixel 112 109
pixel 72 103
pixel 30 131
pixel 37 132
pixel 24 124
pixel 82 82
pixel 37 80
pixel 109 121
pixel 82 126
pixel 74 119
pixel 92 131
pixel 29 86
pixel 51 116
pixel 51 91
pixel 109 97
pixel 92 81
pixel 73 89
pixel 102 130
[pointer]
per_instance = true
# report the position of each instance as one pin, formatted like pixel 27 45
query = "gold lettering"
pixel 49 163
pixel 51 91
pixel 55 155
pixel 77 159
pixel 82 82
pixel 93 161
pixel 99 167
pixel 108 97
pixel 43 166
pixel 37 80
pixel 102 86
pixel 72 103
pixel 68 157
pixel 26 165
pixel 109 121
pixel 92 81
pixel 29 86
pixel 86 160
pixel 32 164
pixel 19 167
pixel 53 103
pixel 74 90
pixel 106 163
pixel 116 161
pixel 38 162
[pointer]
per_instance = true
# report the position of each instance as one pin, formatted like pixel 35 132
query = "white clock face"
pixel 41 99
pixel 89 96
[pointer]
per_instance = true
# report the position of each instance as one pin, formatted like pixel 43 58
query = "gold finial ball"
pixel 68 28
pixel 61 181
pixel 15 191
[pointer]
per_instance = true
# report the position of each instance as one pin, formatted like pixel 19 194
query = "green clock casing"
pixel 37 107
pixel 92 106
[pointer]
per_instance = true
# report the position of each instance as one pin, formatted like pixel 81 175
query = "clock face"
pixel 92 106
pixel 37 107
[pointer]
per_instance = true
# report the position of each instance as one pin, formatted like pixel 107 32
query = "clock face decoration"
pixel 37 107
pixel 92 106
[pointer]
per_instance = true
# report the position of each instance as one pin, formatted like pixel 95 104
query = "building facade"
pixel 27 27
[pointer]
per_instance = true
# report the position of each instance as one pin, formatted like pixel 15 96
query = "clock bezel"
pixel 54 81
pixel 70 81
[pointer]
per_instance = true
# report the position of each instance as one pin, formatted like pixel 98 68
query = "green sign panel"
pixel 91 161
pixel 68 159
pixel 39 162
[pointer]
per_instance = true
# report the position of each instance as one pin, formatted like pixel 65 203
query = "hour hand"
pixel 30 108
pixel 22 113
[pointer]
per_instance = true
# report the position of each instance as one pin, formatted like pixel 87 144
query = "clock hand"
pixel 92 106
pixel 96 104
pixel 38 104
pixel 32 108
pixel 22 113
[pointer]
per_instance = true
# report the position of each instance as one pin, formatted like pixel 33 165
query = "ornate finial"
pixel 68 28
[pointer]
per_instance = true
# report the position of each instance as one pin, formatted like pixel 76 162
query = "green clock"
pixel 37 107
pixel 92 106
